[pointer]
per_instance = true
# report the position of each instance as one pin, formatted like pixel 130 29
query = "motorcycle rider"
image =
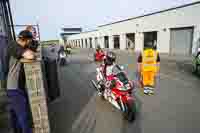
pixel 98 48
pixel 99 54
pixel 68 49
pixel 61 55
pixel 106 80
pixel 61 50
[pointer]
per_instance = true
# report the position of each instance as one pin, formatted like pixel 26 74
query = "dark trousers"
pixel 19 109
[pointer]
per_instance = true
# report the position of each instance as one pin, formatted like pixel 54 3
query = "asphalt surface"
pixel 75 110
pixel 173 109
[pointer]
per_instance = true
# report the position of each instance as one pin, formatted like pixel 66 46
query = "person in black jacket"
pixel 18 100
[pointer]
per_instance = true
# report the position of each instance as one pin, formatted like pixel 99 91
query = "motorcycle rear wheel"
pixel 130 112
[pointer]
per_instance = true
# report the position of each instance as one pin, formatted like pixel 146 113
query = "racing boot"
pixel 151 91
pixel 146 90
pixel 100 88
pixel 100 92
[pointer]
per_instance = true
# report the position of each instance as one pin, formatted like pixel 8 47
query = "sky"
pixel 52 15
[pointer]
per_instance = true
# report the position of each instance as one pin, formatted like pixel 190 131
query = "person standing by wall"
pixel 17 97
pixel 32 30
pixel 34 45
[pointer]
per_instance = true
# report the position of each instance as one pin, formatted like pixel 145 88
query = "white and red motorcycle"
pixel 118 90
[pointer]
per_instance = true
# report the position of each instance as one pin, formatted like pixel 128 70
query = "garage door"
pixel 181 41
pixel 116 42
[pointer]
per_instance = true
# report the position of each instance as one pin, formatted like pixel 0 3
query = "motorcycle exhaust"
pixel 115 104
pixel 122 104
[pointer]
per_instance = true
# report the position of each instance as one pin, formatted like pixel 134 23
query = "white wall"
pixel 181 17
pixel 139 39
pixel 163 41
pixel 93 42
pixel 101 41
pixel 123 41
pixel 111 42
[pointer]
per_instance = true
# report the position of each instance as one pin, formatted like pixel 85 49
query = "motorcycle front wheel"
pixel 62 62
pixel 98 89
pixel 130 112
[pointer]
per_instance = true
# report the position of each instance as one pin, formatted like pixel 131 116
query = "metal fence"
pixel 6 35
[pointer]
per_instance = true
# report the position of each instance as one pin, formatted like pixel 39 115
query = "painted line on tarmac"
pixel 89 122
pixel 84 112
pixel 90 58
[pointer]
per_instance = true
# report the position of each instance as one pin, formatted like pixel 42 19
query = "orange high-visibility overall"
pixel 149 67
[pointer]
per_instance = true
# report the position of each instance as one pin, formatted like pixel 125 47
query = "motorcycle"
pixel 121 95
pixel 62 59
pixel 99 56
pixel 68 50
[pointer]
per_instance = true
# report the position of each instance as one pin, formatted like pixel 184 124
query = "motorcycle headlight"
pixel 122 88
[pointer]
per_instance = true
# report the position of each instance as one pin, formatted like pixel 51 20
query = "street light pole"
pixel 38 28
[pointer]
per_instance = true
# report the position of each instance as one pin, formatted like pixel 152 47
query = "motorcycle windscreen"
pixel 120 74
pixel 122 77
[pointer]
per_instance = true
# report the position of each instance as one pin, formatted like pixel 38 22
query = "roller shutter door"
pixel 181 41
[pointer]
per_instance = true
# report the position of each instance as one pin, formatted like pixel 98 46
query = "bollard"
pixel 35 82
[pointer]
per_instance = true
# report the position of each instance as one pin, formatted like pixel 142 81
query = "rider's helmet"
pixel 110 58
pixel 98 48
pixel 62 48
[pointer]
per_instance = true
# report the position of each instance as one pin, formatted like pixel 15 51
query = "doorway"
pixel 106 41
pixel 150 39
pixel 116 39
pixel 90 42
pixel 181 41
pixel 82 43
pixel 86 43
pixel 130 41
pixel 96 42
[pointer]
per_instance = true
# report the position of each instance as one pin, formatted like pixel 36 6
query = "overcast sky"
pixel 52 15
